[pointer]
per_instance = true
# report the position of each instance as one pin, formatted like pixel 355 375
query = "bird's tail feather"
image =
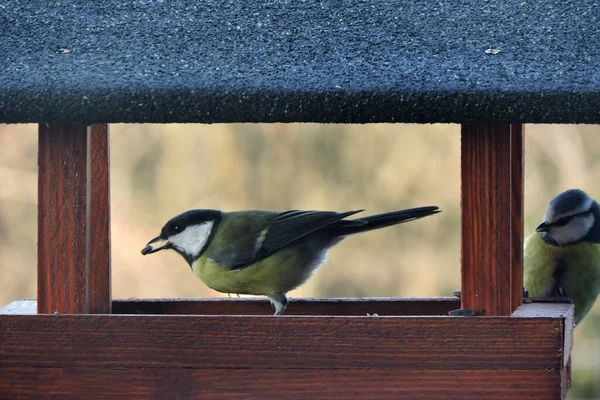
pixel 391 218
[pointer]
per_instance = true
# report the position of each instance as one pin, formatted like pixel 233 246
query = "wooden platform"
pixel 204 355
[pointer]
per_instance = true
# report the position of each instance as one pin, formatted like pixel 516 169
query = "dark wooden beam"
pixel 517 213
pixel 180 383
pixel 256 306
pixel 492 217
pixel 532 307
pixel 142 356
pixel 99 220
pixel 62 219
pixel 73 217
pixel 348 307
pixel 292 342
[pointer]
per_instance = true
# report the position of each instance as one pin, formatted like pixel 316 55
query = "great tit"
pixel 562 256
pixel 264 252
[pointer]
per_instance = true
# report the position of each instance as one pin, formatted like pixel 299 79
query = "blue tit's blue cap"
pixel 570 200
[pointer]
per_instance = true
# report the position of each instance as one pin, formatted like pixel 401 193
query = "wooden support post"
pixel 73 219
pixel 155 356
pixel 99 220
pixel 517 214
pixel 492 217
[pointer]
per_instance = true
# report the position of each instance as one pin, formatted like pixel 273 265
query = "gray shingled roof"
pixel 294 60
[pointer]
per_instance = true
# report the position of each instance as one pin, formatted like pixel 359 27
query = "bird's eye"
pixel 176 228
pixel 563 221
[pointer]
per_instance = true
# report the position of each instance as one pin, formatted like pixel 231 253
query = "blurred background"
pixel 158 171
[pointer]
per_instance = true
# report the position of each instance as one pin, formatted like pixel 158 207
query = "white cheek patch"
pixel 193 238
pixel 575 230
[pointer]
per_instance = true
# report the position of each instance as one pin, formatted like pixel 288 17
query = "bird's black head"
pixel 189 234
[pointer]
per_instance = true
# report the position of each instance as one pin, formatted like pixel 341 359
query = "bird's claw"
pixel 279 302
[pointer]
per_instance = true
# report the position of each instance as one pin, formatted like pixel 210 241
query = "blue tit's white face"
pixel 568 218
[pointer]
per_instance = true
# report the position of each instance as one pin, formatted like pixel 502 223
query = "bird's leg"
pixel 559 292
pixel 279 301
pixel 229 295
pixel 238 295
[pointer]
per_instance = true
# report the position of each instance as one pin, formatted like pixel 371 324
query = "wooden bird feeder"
pixel 73 68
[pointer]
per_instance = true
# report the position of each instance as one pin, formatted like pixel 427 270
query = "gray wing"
pixel 287 228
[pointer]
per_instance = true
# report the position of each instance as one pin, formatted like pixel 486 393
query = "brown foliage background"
pixel 159 171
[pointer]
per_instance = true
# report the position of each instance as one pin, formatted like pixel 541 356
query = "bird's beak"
pixel 543 227
pixel 150 248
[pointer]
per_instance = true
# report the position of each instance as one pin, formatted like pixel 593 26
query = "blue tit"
pixel 264 252
pixel 562 256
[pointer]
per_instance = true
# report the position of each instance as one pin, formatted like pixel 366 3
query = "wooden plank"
pixel 532 307
pixel 545 309
pixel 68 217
pixel 565 379
pixel 256 306
pixel 410 343
pixel 304 306
pixel 173 383
pixel 490 241
pixel 517 165
pixel 62 219
pixel 536 307
pixel 99 220
pixel 20 307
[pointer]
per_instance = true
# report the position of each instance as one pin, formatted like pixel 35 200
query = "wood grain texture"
pixel 409 343
pixel 546 310
pixel 491 242
pixel 71 159
pixel 99 220
pixel 517 213
pixel 566 379
pixel 256 306
pixel 569 327
pixel 173 383
pixel 560 307
pixel 62 219
pixel 346 306
pixel 20 307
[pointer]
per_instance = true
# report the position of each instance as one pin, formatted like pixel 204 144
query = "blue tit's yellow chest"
pixel 580 264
